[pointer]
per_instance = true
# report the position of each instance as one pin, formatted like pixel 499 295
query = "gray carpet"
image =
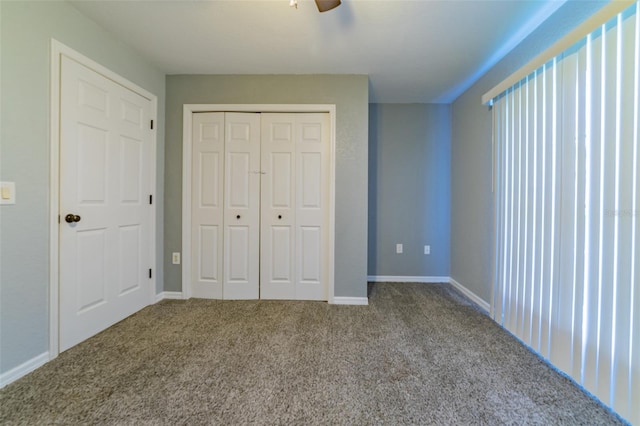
pixel 418 354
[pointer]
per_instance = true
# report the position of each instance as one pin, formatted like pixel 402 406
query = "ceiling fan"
pixel 323 5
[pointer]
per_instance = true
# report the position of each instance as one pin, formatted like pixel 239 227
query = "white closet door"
pixel 277 273
pixel 207 204
pixel 295 190
pixel 242 206
pixel 312 205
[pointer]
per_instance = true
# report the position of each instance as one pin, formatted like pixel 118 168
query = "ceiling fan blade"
pixel 324 5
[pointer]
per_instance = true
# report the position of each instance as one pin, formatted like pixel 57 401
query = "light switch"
pixel 7 193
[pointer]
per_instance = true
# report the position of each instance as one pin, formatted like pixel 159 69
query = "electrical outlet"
pixel 175 258
pixel 398 248
pixel 427 249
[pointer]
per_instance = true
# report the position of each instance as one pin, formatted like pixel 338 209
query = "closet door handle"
pixel 238 217
pixel 279 216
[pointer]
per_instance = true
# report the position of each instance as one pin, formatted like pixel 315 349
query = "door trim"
pixel 188 111
pixel 57 50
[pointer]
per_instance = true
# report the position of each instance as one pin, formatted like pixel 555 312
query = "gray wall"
pixel 26 30
pixel 409 191
pixel 471 165
pixel 349 93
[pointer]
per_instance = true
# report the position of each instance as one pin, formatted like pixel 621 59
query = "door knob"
pixel 70 218
pixel 238 217
pixel 279 216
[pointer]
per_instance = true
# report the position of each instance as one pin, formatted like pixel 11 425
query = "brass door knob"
pixel 71 218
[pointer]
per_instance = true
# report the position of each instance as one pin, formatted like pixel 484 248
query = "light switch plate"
pixel 7 192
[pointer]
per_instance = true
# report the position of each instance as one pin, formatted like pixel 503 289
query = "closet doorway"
pixel 258 203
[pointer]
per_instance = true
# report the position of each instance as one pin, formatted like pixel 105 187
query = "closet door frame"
pixel 188 111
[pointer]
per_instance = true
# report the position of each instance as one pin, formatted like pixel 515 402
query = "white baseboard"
pixel 350 301
pixel 431 280
pixel 168 295
pixel 471 295
pixel 405 279
pixel 23 369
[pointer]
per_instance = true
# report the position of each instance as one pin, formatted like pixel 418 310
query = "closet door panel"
pixel 207 204
pixel 310 255
pixel 238 270
pixel 312 194
pixel 277 274
pixel 242 206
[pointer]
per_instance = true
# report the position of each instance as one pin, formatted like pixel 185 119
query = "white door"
pixel 312 205
pixel 278 215
pixel 294 202
pixel 276 205
pixel 207 195
pixel 242 206
pixel 105 185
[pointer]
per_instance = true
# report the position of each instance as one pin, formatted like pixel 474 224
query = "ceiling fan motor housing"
pixel 324 5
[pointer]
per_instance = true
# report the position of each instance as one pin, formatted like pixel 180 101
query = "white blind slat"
pixel 609 127
pixel 621 365
pixel 548 210
pixel 634 302
pixel 538 210
pixel 530 257
pixel 580 213
pixel 594 218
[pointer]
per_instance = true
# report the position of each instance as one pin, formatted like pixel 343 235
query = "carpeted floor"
pixel 418 354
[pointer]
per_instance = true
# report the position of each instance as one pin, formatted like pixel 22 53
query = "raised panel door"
pixel 207 206
pixel 277 272
pixel 311 209
pixel 242 206
pixel 105 180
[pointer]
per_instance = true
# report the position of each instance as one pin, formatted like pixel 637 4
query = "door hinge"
pixel 150 199
pixel 151 124
pixel 149 272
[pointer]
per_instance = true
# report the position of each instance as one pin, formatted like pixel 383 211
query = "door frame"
pixel 188 111
pixel 57 51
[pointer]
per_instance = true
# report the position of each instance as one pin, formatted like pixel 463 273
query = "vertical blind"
pixel 567 252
